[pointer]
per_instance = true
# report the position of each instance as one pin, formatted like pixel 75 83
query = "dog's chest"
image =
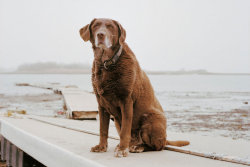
pixel 109 85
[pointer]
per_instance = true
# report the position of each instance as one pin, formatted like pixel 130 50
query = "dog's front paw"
pixel 121 152
pixel 99 148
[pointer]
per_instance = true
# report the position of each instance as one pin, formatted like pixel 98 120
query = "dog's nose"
pixel 100 35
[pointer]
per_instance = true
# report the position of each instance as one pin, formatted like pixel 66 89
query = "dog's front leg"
pixel 125 135
pixel 104 128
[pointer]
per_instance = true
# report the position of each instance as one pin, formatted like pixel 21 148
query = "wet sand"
pixel 234 124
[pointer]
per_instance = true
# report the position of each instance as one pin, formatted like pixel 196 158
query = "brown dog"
pixel 124 92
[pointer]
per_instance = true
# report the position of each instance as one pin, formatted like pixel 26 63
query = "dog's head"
pixel 103 33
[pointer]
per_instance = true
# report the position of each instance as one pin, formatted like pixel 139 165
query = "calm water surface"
pixel 176 92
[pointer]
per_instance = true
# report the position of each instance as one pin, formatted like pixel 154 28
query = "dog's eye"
pixel 96 25
pixel 110 26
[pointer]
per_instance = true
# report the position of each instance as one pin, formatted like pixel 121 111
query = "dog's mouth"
pixel 103 43
pixel 100 43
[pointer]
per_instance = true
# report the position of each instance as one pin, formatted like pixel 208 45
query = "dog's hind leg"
pixel 153 131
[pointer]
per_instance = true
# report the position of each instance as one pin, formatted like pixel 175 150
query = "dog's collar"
pixel 112 61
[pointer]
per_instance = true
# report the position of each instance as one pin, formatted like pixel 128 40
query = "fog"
pixel 164 34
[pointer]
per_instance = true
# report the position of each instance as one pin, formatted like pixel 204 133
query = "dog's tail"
pixel 179 143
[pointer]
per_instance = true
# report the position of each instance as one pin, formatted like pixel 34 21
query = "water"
pixel 175 92
pixel 8 81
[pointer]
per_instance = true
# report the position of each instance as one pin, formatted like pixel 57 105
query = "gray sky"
pixel 164 34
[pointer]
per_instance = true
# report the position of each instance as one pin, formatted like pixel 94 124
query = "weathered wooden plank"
pixel 40 149
pixel 80 101
pixel 79 104
pixel 80 143
pixel 95 131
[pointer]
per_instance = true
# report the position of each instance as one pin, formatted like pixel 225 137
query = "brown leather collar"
pixel 112 61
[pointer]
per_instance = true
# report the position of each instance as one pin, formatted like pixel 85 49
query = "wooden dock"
pixel 79 103
pixel 66 142
pixel 61 142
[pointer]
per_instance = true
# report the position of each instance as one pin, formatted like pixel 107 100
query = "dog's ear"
pixel 85 32
pixel 122 32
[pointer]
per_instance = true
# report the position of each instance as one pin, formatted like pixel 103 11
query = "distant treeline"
pixel 81 68
pixel 55 68
pixel 52 67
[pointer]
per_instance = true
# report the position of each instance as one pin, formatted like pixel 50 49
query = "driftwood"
pixel 214 156
pixel 22 84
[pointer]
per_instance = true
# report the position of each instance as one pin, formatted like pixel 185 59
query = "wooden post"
pixel 3 145
pixel 14 156
pixel 8 153
pixel 19 158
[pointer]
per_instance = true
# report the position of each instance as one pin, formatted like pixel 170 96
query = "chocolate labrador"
pixel 124 92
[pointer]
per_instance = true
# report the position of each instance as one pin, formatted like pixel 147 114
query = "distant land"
pixel 79 68
pixel 52 68
pixel 190 72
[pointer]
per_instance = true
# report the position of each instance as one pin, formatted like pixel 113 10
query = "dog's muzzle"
pixel 102 40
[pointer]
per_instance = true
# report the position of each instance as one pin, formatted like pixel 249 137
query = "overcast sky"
pixel 164 35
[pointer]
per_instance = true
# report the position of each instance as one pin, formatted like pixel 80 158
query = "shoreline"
pixel 232 124
pixel 147 72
